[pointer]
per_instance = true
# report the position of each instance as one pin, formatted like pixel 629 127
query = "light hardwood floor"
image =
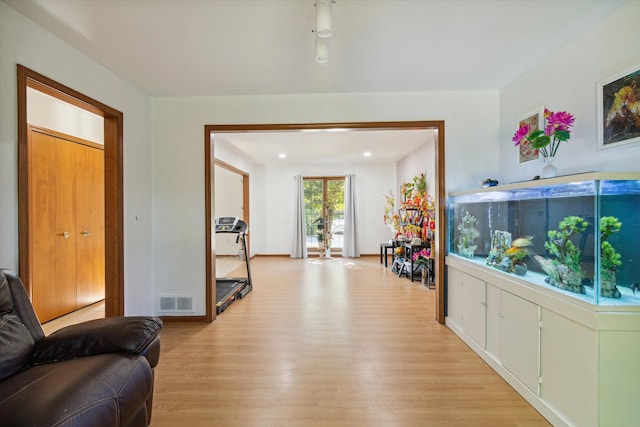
pixel 93 311
pixel 336 342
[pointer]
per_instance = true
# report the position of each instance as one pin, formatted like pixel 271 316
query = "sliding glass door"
pixel 324 212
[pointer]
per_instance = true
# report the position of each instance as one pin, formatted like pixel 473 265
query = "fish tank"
pixel 578 235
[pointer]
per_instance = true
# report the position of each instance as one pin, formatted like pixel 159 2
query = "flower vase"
pixel 549 170
pixel 425 275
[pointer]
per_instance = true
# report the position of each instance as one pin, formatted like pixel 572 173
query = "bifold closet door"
pixel 67 225
pixel 90 264
pixel 52 222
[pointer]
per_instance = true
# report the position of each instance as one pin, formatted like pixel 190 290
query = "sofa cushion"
pixel 16 342
pixel 104 390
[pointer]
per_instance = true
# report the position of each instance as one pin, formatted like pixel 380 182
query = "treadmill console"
pixel 230 224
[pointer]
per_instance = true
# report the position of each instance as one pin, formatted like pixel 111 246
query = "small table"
pixel 384 248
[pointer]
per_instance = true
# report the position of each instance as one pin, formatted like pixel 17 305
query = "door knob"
pixel 86 233
pixel 66 234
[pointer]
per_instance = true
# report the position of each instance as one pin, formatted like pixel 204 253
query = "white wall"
pixel 52 113
pixel 228 195
pixel 24 42
pixel 567 81
pixel 422 160
pixel 471 134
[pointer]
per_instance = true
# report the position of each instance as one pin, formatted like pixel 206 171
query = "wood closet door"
pixel 90 224
pixel 52 195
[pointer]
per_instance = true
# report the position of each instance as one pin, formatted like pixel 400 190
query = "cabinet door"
pixel 492 342
pixel 569 368
pixel 473 312
pixel 520 339
pixel 53 239
pixel 454 296
pixel 90 224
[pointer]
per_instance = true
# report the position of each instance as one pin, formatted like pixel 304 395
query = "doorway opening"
pixel 324 213
pixel 439 190
pixel 113 184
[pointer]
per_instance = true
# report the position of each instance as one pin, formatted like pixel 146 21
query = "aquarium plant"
pixel 609 258
pixel 467 236
pixel 564 270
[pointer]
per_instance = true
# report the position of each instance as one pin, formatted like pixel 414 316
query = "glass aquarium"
pixel 578 235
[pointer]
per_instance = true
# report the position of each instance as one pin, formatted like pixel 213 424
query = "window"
pixel 324 212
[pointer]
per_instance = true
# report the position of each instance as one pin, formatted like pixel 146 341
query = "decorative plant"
pixel 609 258
pixel 468 234
pixel 415 210
pixel 567 272
pixel 422 258
pixel 500 243
pixel 412 230
pixel 391 216
pixel 556 130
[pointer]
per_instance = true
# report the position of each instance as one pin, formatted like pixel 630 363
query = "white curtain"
pixel 299 241
pixel 350 244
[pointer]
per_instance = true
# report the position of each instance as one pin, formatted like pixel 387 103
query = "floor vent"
pixel 177 304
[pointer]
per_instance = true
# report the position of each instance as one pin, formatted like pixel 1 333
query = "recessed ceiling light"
pixel 367 154
pixel 282 155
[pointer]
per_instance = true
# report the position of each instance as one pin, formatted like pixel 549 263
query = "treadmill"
pixel 229 289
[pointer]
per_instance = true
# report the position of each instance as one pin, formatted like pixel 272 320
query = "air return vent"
pixel 177 304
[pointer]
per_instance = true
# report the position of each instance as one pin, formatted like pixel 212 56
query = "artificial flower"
pixel 547 141
pixel 422 257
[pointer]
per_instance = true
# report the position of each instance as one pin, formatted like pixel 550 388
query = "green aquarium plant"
pixel 610 260
pixel 564 269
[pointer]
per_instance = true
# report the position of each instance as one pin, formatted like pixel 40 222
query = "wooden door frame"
pixel 440 195
pixel 113 182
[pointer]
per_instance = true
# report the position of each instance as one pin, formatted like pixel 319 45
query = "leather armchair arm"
pixel 132 335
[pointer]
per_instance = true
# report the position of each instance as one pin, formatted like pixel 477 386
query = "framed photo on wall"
pixel 619 109
pixel 525 152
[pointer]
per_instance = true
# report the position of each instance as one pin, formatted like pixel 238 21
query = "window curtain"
pixel 299 241
pixel 350 244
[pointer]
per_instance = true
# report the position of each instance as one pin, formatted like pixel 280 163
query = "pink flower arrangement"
pixel 422 257
pixel 547 140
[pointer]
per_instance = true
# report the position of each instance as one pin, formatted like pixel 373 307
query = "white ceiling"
pixel 329 147
pixel 258 47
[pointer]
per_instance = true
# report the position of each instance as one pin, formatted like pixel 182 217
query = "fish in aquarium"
pixel 522 242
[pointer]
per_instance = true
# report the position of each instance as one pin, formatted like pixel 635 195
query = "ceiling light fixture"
pixel 324 22
pixel 322 51
pixel 323 30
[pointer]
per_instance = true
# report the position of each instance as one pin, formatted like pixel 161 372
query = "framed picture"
pixel 526 153
pixel 619 109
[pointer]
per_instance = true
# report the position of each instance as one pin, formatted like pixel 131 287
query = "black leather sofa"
pixel 97 373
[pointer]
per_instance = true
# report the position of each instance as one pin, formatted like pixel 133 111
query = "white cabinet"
pixel 504 325
pixel 473 308
pixel 520 339
pixel 493 340
pixel 575 364
pixel 569 368
pixel 466 307
pixel 454 296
